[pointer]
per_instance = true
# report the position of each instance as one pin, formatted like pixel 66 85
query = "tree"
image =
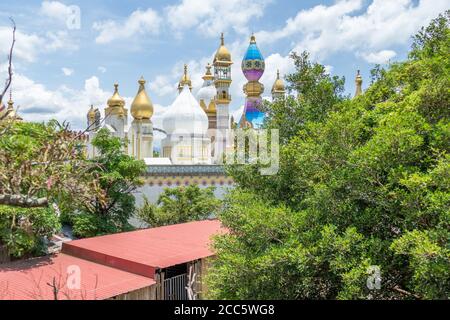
pixel 38 162
pixel 317 94
pixel 117 176
pixel 366 187
pixel 179 205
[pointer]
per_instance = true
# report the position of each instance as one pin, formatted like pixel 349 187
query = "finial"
pixel 358 82
pixel 185 69
pixel 116 87
pixel 253 38
pixel 142 81
pixel 222 39
pixel 278 73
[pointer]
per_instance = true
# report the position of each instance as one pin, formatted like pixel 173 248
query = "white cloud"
pixel 379 57
pixel 214 16
pixel 56 10
pixel 29 46
pixel 26 47
pixel 342 27
pixel 102 69
pixel 67 71
pixel 162 85
pixel 138 23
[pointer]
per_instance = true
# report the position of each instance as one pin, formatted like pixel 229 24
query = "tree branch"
pixel 23 201
pixel 10 57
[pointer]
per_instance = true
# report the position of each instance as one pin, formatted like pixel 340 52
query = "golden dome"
pixel 222 55
pixel 142 106
pixel 185 80
pixel 116 100
pixel 278 86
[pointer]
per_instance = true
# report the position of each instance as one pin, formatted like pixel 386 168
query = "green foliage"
pixel 178 205
pixel 118 176
pixel 317 93
pixel 365 185
pixel 22 229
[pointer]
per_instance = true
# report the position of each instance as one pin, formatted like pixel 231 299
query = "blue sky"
pixel 60 71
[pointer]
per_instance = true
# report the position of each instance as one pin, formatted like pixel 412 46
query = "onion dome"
pixel 91 114
pixel 358 82
pixel 222 54
pixel 185 116
pixel 278 86
pixel 253 64
pixel 142 106
pixel 185 80
pixel 116 100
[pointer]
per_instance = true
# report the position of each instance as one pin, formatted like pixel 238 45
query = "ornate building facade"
pixel 195 128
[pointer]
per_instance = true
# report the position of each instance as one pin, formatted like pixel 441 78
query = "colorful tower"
pixel 253 67
pixel 222 81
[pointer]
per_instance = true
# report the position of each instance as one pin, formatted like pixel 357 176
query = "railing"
pixel 175 288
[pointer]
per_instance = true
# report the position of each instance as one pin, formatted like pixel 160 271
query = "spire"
pixel 185 80
pixel 358 82
pixel 253 38
pixel 208 75
pixel 222 55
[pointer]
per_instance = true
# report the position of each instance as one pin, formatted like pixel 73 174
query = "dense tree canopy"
pixel 117 176
pixel 364 185
pixel 179 205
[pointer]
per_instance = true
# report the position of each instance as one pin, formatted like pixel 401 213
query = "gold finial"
pixel 116 100
pixel 253 38
pixel 358 82
pixel 185 80
pixel 278 88
pixel 222 39
pixel 208 75
pixel 142 81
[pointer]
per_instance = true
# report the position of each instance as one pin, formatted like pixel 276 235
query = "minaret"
pixel 185 80
pixel 222 81
pixel 253 67
pixel 358 82
pixel 116 115
pixel 278 89
pixel 141 142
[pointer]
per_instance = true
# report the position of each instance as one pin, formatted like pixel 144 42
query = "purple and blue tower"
pixel 253 67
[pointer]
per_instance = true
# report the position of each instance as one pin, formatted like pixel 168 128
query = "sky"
pixel 63 64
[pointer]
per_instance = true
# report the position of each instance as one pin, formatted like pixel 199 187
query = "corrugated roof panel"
pixel 30 279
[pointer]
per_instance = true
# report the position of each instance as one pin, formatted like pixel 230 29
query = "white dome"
pixel 206 94
pixel 185 116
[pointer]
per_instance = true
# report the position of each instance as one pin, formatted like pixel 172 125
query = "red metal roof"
pixel 143 251
pixel 27 280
